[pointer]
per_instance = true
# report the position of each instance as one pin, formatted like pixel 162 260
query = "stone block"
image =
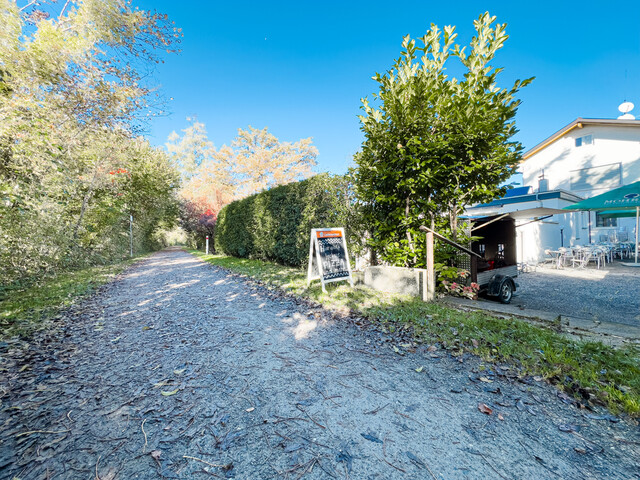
pixel 406 281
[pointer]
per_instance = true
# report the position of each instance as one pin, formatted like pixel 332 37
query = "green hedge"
pixel 275 224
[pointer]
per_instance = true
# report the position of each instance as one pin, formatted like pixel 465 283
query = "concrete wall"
pixel 407 281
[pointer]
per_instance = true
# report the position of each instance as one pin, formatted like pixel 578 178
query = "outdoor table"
pixel 558 257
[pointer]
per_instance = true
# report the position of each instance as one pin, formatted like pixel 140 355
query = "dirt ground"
pixel 181 370
pixel 611 294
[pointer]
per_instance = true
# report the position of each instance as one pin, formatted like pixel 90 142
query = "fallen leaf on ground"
pixel 485 380
pixel 111 475
pixel 178 372
pixel 484 409
pixel 419 369
pixel 415 459
pixel 611 418
pixel 566 427
pixel 168 394
pixel 250 409
pixel 345 456
pixel 500 417
pixel 371 438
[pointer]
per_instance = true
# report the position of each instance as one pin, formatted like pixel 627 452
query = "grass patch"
pixel 27 309
pixel 604 374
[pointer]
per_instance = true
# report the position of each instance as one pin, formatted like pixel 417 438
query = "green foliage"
pixel 72 167
pixel 275 224
pixel 434 144
pixel 445 272
pixel 611 375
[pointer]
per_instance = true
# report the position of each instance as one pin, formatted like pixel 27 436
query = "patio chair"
pixel 566 254
pixel 530 266
pixel 551 258
pixel 594 255
pixel 578 252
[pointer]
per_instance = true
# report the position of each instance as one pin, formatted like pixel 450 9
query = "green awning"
pixel 617 213
pixel 622 198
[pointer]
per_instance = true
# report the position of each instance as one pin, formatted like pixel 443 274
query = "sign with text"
pixel 328 257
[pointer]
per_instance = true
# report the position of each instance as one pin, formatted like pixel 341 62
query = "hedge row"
pixel 275 224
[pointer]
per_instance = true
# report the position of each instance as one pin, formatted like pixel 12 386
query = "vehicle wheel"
pixel 506 292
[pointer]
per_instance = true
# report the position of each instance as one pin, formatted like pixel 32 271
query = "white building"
pixel 583 159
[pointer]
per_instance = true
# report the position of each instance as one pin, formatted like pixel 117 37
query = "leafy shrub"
pixel 275 224
pixel 454 281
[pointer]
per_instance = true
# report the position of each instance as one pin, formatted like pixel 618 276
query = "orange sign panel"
pixel 329 234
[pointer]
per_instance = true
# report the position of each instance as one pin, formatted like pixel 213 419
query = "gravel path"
pixel 181 370
pixel 608 295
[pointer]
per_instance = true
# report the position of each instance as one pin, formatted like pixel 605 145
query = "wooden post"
pixel 429 287
pixel 474 269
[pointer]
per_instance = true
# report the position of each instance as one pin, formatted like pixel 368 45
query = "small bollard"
pixel 207 244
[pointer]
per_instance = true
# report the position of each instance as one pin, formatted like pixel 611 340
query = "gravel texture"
pixel 181 370
pixel 608 295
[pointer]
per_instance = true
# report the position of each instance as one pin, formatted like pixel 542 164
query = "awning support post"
pixel 637 225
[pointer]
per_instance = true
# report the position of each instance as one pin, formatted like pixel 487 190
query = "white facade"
pixel 587 158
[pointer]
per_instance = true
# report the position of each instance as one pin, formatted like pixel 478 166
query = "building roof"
pixel 579 123
pixel 525 205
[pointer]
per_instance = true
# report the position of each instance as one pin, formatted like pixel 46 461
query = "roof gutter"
pixel 540 146
pixel 579 123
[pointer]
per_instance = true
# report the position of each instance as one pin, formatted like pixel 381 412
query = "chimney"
pixel 543 183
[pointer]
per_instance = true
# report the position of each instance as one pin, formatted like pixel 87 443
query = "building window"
pixel 605 222
pixel 585 140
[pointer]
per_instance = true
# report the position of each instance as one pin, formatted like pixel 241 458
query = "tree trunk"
pixel 373 257
pixel 85 202
pixel 409 237
pixel 453 221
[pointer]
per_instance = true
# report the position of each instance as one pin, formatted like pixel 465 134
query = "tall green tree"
pixel 434 143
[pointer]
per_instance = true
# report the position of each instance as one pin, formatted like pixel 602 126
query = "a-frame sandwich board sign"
pixel 328 257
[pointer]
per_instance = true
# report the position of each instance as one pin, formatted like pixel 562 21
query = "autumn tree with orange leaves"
pixel 255 161
pixel 259 161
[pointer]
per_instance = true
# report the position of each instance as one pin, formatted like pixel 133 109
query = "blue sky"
pixel 300 68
